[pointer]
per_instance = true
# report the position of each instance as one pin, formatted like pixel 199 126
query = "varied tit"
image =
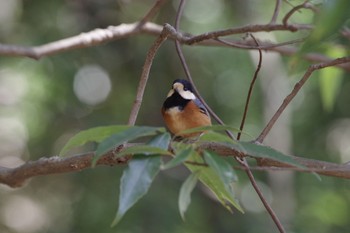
pixel 182 110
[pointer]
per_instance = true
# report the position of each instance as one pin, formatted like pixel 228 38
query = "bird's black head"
pixel 180 94
pixel 187 86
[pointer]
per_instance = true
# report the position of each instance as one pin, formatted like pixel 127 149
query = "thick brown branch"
pixel 100 36
pixel 84 40
pixel 16 177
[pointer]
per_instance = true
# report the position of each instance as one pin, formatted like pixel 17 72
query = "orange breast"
pixel 190 117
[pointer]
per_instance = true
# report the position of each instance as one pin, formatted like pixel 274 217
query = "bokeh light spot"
pixel 92 85
pixel 23 214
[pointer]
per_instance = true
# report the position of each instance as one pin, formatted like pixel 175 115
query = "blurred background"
pixel 43 103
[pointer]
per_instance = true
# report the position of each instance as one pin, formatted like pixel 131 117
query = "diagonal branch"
pixel 294 92
pixel 151 13
pixel 145 73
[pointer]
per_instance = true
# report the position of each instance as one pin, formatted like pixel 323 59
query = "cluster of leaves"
pixel 205 166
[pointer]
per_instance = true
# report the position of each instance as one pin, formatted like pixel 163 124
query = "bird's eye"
pixel 185 89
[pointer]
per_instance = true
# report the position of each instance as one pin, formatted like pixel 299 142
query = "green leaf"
pixel 222 168
pixel 261 151
pixel 143 149
pixel 330 79
pixel 141 171
pixel 161 141
pixel 210 127
pixel 211 179
pixel 136 181
pixel 179 158
pixel 96 134
pixel 216 137
pixel 117 139
pixel 185 193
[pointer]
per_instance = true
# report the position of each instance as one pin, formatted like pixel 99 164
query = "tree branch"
pixel 16 177
pixel 112 33
pixel 145 73
pixel 294 92
pixel 100 36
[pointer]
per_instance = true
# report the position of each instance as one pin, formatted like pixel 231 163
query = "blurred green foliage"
pixel 39 112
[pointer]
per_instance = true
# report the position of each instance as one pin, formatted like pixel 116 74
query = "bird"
pixel 182 110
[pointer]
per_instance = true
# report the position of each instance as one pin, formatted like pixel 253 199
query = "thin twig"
pixel 250 90
pixel 276 11
pixel 246 44
pixel 187 71
pixel 151 13
pixel 295 90
pixel 248 29
pixel 305 5
pixel 145 74
pixel 242 161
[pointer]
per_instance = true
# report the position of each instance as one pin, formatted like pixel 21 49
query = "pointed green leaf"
pixel 123 136
pixel 210 178
pixel 261 151
pixel 136 181
pixel 143 149
pixel 210 127
pixel 216 137
pixel 185 193
pixel 179 158
pixel 222 168
pixel 96 134
pixel 161 141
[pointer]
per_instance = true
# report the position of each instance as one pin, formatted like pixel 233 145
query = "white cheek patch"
pixel 187 95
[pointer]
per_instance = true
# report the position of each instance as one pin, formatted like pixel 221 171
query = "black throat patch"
pixel 175 100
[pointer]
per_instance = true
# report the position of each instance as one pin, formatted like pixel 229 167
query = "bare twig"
pixel 151 13
pixel 248 29
pixel 276 11
pixel 295 90
pixel 305 5
pixel 250 91
pixel 242 160
pixel 145 73
pixel 187 71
